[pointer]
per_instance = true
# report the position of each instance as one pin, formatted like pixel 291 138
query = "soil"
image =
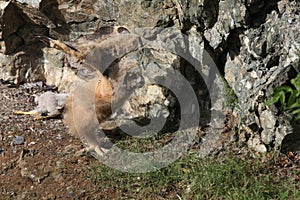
pixel 39 159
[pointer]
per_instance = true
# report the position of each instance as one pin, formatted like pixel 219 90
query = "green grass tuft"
pixel 190 177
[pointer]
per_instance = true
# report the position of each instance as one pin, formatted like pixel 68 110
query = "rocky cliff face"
pixel 254 45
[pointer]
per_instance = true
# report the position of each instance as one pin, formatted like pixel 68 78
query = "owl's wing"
pixel 111 50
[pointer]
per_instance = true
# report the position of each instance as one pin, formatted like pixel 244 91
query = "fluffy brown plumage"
pixel 112 89
pixel 103 91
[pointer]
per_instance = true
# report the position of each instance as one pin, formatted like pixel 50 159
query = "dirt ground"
pixel 41 160
pixel 38 158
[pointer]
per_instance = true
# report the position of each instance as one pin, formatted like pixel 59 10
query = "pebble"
pixel 2 151
pixel 58 137
pixel 18 140
pixel 5 117
pixel 31 143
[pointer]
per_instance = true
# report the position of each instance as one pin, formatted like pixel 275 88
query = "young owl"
pixel 108 85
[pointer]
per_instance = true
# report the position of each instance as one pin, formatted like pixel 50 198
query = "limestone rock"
pixel 267 122
pixel 232 15
pixel 254 44
pixel 271 45
pixel 56 72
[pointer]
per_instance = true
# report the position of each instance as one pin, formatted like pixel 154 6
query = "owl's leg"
pixel 39 117
pixel 33 112
pixel 36 114
pixel 26 113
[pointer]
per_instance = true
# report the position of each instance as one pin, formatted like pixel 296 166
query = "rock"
pixel 2 151
pixel 33 3
pixel 255 144
pixel 149 11
pixel 271 67
pixel 267 122
pixel 149 101
pixel 18 140
pixel 232 15
pixel 253 44
pixel 10 44
pixel 10 21
pixel 56 72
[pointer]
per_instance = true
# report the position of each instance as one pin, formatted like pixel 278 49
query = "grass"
pixel 224 176
pixel 231 98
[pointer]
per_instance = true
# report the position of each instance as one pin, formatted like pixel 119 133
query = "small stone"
pixel 2 151
pixel 18 140
pixel 5 117
pixel 253 74
pixel 31 143
pixel 58 137
pixel 33 3
pixel 249 85
pixel 261 148
pixel 255 144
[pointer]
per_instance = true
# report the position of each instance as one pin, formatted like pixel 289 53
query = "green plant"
pixel 223 176
pixel 288 96
pixel 231 98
